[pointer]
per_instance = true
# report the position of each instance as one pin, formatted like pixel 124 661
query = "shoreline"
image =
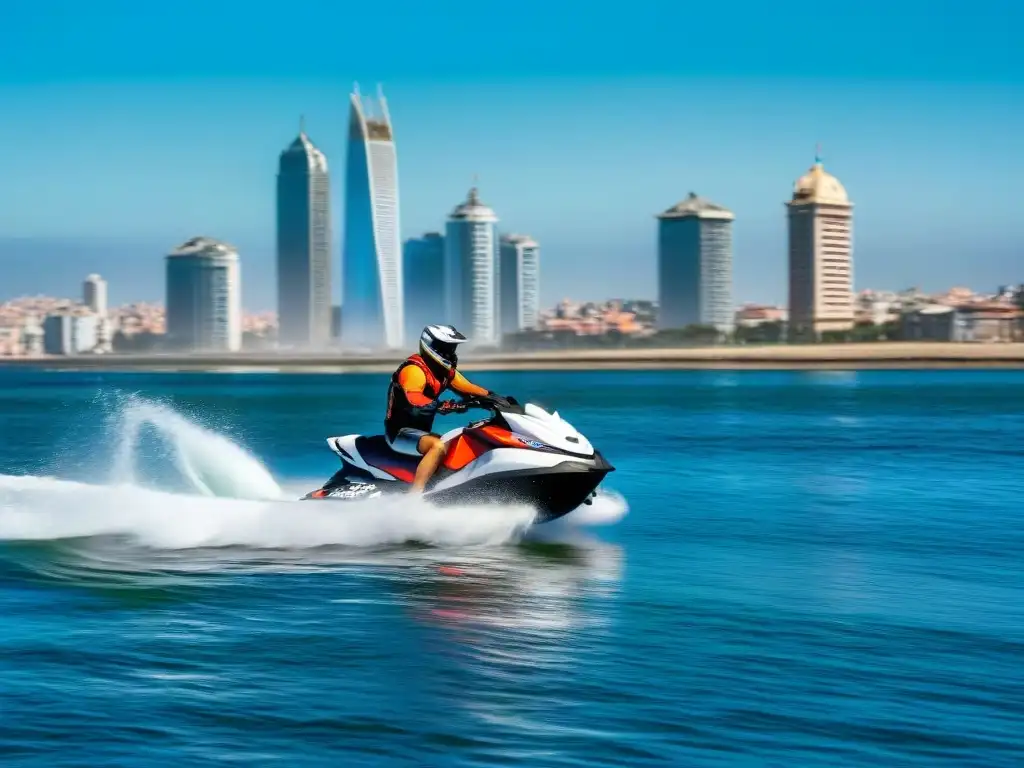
pixel 872 356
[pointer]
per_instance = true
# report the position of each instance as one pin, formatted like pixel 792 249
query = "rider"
pixel 414 399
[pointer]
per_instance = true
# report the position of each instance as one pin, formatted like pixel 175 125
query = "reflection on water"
pixel 520 627
pixel 534 586
pixel 537 587
pixel 515 621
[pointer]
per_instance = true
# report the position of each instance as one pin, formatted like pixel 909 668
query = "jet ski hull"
pixel 552 491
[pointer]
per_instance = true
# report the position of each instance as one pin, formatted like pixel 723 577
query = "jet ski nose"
pixel 601 463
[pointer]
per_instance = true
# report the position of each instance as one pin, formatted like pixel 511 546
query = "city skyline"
pixel 923 139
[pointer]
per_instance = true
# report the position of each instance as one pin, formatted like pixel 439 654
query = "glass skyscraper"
pixel 695 265
pixel 424 283
pixel 372 295
pixel 303 246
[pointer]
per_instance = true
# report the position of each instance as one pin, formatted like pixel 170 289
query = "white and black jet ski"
pixel 520 454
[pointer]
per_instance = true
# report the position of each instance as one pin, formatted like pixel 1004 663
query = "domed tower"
pixel 820 255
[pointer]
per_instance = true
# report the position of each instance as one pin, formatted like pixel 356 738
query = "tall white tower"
pixel 94 295
pixel 471 271
pixel 303 246
pixel 519 268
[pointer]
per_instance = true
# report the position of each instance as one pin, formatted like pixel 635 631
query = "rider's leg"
pixel 432 449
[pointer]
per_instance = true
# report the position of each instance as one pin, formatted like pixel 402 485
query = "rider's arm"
pixel 413 382
pixel 463 386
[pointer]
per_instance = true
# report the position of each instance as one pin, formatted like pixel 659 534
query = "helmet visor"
pixel 446 351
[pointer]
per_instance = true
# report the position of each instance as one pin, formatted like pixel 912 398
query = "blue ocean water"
pixel 813 569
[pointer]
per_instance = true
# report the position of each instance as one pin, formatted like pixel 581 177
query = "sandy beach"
pixel 894 355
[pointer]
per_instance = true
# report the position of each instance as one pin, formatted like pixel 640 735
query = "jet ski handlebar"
pixel 493 402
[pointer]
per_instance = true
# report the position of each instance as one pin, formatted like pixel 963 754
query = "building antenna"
pixel 302 124
pixel 817 154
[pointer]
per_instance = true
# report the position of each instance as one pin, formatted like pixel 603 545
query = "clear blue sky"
pixel 128 127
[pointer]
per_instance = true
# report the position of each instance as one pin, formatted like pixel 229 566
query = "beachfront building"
pixel 982 321
pixel 695 265
pixel 204 297
pixel 70 334
pixel 471 271
pixel 423 274
pixel 373 301
pixel 820 256
pixel 303 246
pixel 519 280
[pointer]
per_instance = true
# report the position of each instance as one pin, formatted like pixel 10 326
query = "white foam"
pixel 38 508
pixel 607 508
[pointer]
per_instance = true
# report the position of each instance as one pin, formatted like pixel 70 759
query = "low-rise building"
pixel 979 322
pixel 68 334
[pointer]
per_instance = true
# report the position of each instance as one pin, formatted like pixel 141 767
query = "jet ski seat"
pixel 377 453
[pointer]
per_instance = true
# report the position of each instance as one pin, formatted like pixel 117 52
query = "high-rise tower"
pixel 94 295
pixel 471 271
pixel 519 297
pixel 372 303
pixel 204 296
pixel 695 265
pixel 303 246
pixel 820 255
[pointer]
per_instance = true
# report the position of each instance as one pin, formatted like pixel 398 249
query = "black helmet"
pixel 438 345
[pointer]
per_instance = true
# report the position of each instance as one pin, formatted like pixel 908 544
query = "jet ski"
pixel 519 454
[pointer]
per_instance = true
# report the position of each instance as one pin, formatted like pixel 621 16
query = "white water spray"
pixel 209 463
pixel 43 509
pixel 231 500
pixel 607 508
